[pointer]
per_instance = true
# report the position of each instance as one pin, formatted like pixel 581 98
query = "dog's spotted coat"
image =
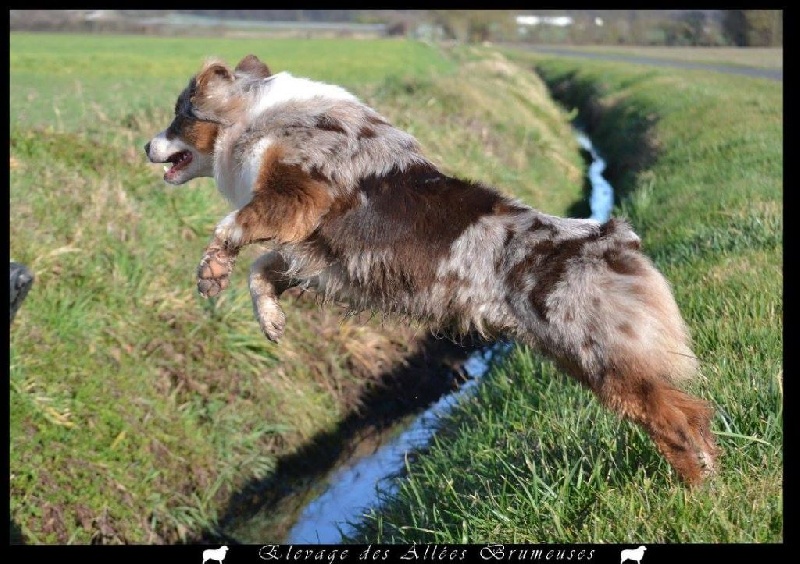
pixel 357 212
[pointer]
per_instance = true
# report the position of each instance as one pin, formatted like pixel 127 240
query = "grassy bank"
pixel 758 57
pixel 140 412
pixel 698 158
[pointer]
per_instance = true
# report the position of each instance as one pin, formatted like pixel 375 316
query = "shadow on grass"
pixel 14 533
pixel 404 390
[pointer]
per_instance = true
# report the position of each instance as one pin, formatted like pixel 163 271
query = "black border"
pixel 656 553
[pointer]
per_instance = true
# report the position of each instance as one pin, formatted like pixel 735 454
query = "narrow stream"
pixel 355 490
pixel 601 200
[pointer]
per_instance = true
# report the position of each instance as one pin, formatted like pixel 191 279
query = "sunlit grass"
pixel 760 57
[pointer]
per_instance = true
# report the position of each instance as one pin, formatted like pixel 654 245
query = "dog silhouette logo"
pixel 633 554
pixel 218 554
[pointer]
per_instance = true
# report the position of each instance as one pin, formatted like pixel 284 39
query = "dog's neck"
pixel 284 87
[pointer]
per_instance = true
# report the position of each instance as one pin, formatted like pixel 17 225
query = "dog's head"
pixel 214 99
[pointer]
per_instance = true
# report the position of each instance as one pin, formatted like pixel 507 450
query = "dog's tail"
pixel 651 330
pixel 642 319
pixel 648 355
pixel 611 308
pixel 613 323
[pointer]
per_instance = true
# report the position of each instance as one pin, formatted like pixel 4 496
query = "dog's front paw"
pixel 214 271
pixel 270 317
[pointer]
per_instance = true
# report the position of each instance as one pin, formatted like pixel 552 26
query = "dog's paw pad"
pixel 271 318
pixel 213 271
pixel 210 287
pixel 212 267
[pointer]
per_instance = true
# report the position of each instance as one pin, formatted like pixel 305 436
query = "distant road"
pixel 772 74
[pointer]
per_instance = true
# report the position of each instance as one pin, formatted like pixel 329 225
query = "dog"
pixel 354 210
pixel 633 554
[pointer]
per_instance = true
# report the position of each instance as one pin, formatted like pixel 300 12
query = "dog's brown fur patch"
pixel 287 202
pixel 418 204
pixel 679 424
pixel 202 135
pixel 212 98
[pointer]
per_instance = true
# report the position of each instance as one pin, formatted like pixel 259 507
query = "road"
pixel 771 74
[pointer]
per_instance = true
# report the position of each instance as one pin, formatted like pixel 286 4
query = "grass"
pixel 137 409
pixel 91 77
pixel 759 57
pixel 532 458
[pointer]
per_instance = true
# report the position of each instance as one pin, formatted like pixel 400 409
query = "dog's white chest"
pixel 237 169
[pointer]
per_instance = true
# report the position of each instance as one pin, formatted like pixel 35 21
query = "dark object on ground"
pixel 20 283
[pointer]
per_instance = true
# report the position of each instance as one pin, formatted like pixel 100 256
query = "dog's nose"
pixel 147 149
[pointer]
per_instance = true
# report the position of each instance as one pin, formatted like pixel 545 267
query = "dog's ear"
pixel 213 74
pixel 215 97
pixel 253 66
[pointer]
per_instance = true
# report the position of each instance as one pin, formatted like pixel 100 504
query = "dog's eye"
pixel 191 114
pixel 185 111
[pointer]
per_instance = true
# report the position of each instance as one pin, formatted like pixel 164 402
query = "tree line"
pixel 740 28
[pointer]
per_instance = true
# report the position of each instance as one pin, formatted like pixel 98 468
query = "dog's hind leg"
pixel 268 280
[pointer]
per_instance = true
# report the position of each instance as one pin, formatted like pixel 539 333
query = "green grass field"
pixel 533 458
pixel 758 57
pixel 137 409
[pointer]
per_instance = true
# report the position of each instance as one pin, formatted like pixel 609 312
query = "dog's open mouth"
pixel 179 160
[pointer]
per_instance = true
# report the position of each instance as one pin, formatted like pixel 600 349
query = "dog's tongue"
pixel 179 161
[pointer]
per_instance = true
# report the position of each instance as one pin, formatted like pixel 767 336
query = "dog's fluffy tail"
pixel 643 371
pixel 611 307
pixel 652 332
pixel 613 323
pixel 644 367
